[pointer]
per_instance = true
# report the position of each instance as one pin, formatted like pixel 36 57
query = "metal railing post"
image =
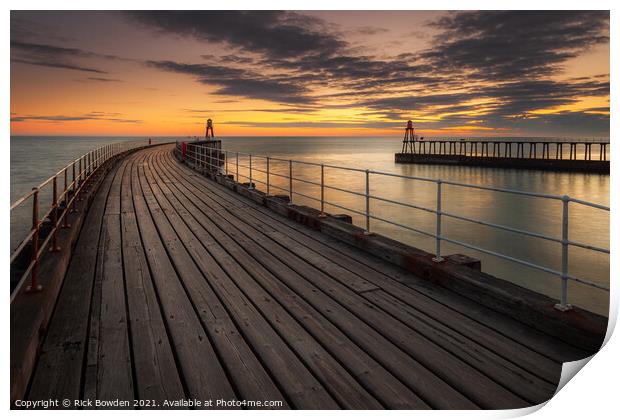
pixel 564 305
pixel 65 222
pixel 237 164
pixel 226 161
pixel 290 181
pixel 250 172
pixel 367 201
pixel 438 257
pixel 55 246
pixel 322 190
pixel 34 258
pixel 73 189
pixel 267 175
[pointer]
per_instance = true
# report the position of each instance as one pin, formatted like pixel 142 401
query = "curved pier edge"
pixel 31 312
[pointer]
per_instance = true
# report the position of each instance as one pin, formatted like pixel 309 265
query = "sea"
pixel 34 159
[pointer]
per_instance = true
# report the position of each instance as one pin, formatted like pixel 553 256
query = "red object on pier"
pixel 184 149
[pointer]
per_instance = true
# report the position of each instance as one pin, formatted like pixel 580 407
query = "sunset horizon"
pixel 321 73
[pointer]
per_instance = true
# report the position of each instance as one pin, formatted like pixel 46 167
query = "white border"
pixel 593 394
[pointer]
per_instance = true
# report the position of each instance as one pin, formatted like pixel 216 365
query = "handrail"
pixel 503 148
pixel 63 203
pixel 213 159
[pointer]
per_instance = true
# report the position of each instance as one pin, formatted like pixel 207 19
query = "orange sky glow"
pixel 309 74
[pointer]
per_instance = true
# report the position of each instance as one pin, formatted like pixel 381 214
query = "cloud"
pixel 369 30
pixel 103 80
pixel 239 82
pixel 91 116
pixel 58 65
pixel 500 64
pixel 514 44
pixel 273 33
pixel 54 56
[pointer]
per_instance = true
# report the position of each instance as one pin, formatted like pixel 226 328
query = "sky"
pixel 320 73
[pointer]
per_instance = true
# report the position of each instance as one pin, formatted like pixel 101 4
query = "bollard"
pixel 564 305
pixel 34 259
pixel 438 257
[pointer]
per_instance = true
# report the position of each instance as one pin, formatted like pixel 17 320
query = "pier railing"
pixel 559 150
pixel 65 187
pixel 228 163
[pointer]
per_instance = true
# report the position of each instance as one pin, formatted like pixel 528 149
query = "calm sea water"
pixel 33 159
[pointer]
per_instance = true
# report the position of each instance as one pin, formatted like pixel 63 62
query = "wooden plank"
pixel 518 380
pixel 59 368
pixel 519 334
pixel 31 313
pixel 156 372
pixel 114 379
pixel 295 380
pixel 379 381
pixel 438 314
pixel 91 380
pixel 501 369
pixel 203 376
pixel 468 380
pixel 428 386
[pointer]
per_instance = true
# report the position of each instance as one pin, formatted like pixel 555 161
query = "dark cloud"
pixel 505 62
pixel 273 33
pixel 318 124
pixel 91 116
pixel 26 29
pixel 289 110
pixel 236 59
pixel 563 124
pixel 514 44
pixel 370 30
pixel 103 80
pixel 239 82
pixel 518 51
pixel 58 65
pixel 53 56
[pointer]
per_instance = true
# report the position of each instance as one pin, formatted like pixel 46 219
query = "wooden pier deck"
pixel 180 288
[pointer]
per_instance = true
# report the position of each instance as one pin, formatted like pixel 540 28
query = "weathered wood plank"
pixel 203 375
pixel 233 259
pixel 59 368
pixel 495 365
pixel 295 380
pixel 468 380
pixel 518 334
pixel 114 379
pixel 157 377
pixel 428 386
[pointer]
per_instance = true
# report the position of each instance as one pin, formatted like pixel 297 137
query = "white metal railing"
pixel 219 161
pixel 74 177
